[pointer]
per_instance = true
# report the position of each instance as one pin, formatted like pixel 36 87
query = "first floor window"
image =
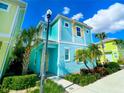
pixel 67 54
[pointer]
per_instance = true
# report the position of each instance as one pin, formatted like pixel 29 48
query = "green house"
pixel 113 50
pixel 11 19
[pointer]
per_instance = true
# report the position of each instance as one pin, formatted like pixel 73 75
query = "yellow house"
pixel 11 18
pixel 113 51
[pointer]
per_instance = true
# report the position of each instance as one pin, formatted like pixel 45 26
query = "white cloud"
pixel 77 16
pixel 66 10
pixel 108 20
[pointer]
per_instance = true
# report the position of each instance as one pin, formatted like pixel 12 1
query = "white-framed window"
pixel 67 54
pixel 78 29
pixel 66 24
pixel 4 6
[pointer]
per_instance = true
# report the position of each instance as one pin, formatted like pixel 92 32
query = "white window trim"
pixel 80 30
pixel 66 26
pixel 4 10
pixel 69 54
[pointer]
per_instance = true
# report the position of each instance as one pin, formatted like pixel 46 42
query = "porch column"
pixel 59 39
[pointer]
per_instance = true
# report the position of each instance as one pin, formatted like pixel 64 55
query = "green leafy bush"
pixel 3 90
pixel 98 76
pixel 101 70
pixel 50 87
pixel 84 71
pixel 73 78
pixel 35 91
pixel 113 66
pixel 19 82
pixel 121 60
pixel 83 79
pixel 109 71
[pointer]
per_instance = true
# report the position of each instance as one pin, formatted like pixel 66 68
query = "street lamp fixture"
pixel 44 53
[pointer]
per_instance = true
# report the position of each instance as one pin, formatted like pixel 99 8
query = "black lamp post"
pixel 44 54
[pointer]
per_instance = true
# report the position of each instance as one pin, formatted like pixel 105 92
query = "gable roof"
pixel 107 40
pixel 69 19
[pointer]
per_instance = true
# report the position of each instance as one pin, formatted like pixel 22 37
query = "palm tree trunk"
pixel 87 66
pixel 26 60
pixel 103 51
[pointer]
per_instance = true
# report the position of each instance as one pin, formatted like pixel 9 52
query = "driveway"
pixel 110 84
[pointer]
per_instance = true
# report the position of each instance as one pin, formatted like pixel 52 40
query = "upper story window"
pixel 67 54
pixel 78 31
pixel 4 6
pixel 66 24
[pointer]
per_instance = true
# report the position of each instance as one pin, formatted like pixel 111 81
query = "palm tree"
pixel 30 39
pixel 81 55
pixel 94 53
pixel 120 43
pixel 101 37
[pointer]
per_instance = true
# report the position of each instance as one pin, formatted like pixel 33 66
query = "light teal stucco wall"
pixel 35 59
pixel 67 67
pixel 53 32
pixel 66 33
pixel 88 38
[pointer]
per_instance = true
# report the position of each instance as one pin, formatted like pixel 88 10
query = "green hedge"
pixel 112 67
pixel 19 82
pixel 82 79
pixel 50 87
pixel 3 90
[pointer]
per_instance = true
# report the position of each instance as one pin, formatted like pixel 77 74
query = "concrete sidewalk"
pixel 110 84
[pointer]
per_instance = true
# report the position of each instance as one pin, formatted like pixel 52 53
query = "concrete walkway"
pixel 110 84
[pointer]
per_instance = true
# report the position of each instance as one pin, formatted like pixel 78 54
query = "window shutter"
pixel 73 27
pixel 82 32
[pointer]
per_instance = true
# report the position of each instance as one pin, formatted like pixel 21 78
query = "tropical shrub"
pixel 82 79
pixel 113 66
pixel 84 71
pixel 101 70
pixel 3 89
pixel 73 78
pixel 121 61
pixel 19 82
pixel 50 87
pixel 98 76
pixel 108 70
pixel 35 91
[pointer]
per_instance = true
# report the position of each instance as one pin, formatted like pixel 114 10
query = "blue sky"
pixel 103 15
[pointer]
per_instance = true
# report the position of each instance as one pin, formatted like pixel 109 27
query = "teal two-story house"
pixel 65 37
